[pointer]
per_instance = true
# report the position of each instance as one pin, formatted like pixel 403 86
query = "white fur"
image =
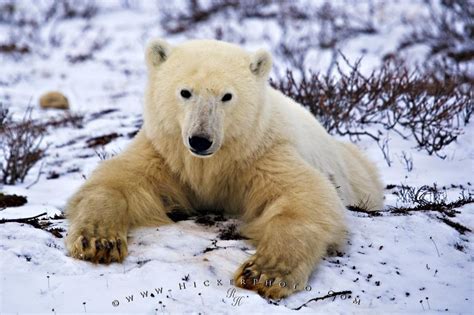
pixel 271 162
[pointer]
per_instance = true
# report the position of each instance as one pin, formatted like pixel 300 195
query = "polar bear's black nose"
pixel 199 144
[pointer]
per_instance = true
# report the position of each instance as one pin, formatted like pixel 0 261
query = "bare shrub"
pixel 68 119
pixel 429 198
pixel 27 20
pixel 411 103
pixel 421 196
pixel 407 161
pixel 13 48
pixel 104 155
pixel 384 147
pixel 96 45
pixel 177 19
pixel 23 30
pixel 35 13
pixel 67 9
pixel 337 25
pixel 102 140
pixel 449 31
pixel 304 26
pixel 38 223
pixel 20 148
pixel 4 116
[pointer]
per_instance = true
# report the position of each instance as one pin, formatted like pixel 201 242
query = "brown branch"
pixel 328 296
pixel 22 220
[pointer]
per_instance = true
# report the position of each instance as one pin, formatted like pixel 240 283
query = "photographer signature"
pixel 237 300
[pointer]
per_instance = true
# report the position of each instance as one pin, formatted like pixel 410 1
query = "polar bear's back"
pixel 342 163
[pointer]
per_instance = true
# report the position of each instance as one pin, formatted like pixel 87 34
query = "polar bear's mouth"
pixel 201 153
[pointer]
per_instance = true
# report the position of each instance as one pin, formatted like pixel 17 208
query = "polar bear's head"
pixel 209 92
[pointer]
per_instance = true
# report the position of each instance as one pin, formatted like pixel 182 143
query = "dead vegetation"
pixel 13 12
pixel 455 225
pixel 67 119
pixel 227 230
pixel 347 294
pixel 307 26
pixel 20 147
pixel 335 24
pixel 67 9
pixel 428 199
pixel 177 19
pixel 34 25
pixel 230 232
pixel 96 45
pixel 327 28
pixel 417 105
pixel 38 223
pixel 448 32
pixel 21 142
pixel 430 104
pixel 7 201
pixel 101 140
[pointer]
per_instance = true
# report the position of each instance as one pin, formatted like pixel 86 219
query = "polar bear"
pixel 217 136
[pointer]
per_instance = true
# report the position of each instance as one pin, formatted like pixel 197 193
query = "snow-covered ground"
pixel 393 263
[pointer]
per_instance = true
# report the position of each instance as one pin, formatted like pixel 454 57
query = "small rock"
pixel 54 100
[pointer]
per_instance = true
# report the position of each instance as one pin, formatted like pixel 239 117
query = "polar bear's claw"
pixel 99 250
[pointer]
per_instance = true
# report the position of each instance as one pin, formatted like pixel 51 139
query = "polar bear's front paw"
pixel 98 249
pixel 271 279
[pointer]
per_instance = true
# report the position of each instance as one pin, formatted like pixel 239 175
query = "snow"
pixel 391 262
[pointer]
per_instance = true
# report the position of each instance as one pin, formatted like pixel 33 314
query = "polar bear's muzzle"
pixel 203 127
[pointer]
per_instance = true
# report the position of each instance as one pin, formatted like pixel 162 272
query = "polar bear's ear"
pixel 157 51
pixel 261 63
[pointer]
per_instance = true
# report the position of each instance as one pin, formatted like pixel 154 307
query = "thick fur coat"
pixel 217 136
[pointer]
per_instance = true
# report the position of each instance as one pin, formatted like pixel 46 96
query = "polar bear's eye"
pixel 185 93
pixel 227 97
